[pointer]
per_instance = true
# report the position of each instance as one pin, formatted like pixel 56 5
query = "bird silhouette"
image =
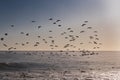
pixel 86 21
pixel 33 21
pixel 38 36
pixel 27 42
pixel 39 27
pixel 54 23
pixel 12 25
pixel 50 30
pixel 5 45
pixel 6 34
pixel 58 20
pixel 83 24
pixel 91 37
pixel 2 39
pixel 95 31
pixel 82 31
pixel 89 27
pixel 51 19
pixel 21 32
pixel 27 34
pixel 95 42
pixel 59 25
pixel 68 28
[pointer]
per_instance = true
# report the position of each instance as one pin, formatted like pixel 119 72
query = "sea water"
pixel 55 65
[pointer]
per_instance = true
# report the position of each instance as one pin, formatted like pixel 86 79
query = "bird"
pixel 39 27
pixel 35 45
pixel 95 42
pixel 6 34
pixel 16 43
pixel 50 30
pixel 52 41
pixel 12 25
pixel 59 25
pixel 5 45
pixel 27 42
pixel 22 44
pixel 2 39
pixel 10 48
pixel 56 45
pixel 27 34
pixel 66 37
pixel 91 37
pixel 66 45
pixel 51 19
pixel 83 24
pixel 58 20
pixel 86 21
pixel 97 38
pixel 68 28
pixel 54 23
pixel 77 36
pixel 71 31
pixel 95 35
pixel 81 43
pixel 95 31
pixel 33 21
pixel 50 37
pixel 21 32
pixel 82 31
pixel 89 27
pixel 38 36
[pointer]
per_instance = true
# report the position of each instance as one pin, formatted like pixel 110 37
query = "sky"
pixel 102 15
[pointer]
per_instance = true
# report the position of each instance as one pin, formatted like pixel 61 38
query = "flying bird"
pixel 2 39
pixel 83 24
pixel 38 36
pixel 58 20
pixel 5 45
pixel 52 41
pixel 23 44
pixel 12 25
pixel 59 25
pixel 97 38
pixel 50 30
pixel 33 21
pixel 27 42
pixel 95 31
pixel 39 27
pixel 95 42
pixel 6 34
pixel 86 21
pixel 27 34
pixel 54 23
pixel 51 19
pixel 89 28
pixel 91 37
pixel 21 32
pixel 68 28
pixel 82 31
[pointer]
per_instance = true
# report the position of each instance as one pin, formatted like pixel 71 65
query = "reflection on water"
pixel 59 65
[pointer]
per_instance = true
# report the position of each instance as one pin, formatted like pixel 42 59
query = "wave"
pixel 24 66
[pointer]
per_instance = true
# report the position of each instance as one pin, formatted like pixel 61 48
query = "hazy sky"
pixel 103 16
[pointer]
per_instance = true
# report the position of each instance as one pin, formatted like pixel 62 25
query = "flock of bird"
pixel 67 34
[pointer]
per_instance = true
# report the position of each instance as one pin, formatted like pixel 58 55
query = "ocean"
pixel 59 65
